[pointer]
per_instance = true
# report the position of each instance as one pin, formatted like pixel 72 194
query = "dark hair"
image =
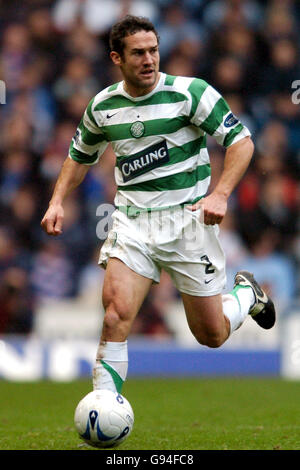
pixel 126 27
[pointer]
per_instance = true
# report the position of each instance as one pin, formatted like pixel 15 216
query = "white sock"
pixel 111 366
pixel 236 305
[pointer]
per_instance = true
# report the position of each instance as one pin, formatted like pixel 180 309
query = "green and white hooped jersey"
pixel 159 139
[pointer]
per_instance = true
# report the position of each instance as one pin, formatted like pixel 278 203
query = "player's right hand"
pixel 52 221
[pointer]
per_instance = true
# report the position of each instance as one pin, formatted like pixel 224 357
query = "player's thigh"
pixel 123 290
pixel 204 316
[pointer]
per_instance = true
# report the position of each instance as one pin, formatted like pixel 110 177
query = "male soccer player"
pixel 157 126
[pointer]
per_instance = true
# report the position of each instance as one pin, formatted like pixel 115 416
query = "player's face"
pixel 139 63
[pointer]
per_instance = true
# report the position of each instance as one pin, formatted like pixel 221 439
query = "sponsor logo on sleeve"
pixel 76 137
pixel 231 120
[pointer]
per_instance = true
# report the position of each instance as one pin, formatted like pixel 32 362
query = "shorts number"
pixel 208 268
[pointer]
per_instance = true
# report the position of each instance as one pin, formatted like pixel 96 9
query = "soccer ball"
pixel 103 418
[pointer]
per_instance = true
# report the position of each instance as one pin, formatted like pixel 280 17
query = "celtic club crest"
pixel 137 129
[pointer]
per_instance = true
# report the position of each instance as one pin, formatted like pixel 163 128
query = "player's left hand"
pixel 213 208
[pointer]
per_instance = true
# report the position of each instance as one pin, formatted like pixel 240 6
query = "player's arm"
pixel 86 147
pixel 71 175
pixel 236 162
pixel 211 113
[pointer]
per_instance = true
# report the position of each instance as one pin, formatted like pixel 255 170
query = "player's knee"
pixel 215 341
pixel 113 303
pixel 210 339
pixel 111 319
pixel 116 320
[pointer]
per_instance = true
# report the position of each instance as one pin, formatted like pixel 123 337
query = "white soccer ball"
pixel 104 418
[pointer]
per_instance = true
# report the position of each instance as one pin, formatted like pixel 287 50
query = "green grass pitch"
pixel 170 414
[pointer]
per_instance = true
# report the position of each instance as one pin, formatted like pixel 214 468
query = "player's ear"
pixel 115 57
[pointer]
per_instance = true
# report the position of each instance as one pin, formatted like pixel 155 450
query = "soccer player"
pixel 157 125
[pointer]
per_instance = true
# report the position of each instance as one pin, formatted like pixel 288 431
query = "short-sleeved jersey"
pixel 159 139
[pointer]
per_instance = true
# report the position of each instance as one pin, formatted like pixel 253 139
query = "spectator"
pixel 273 208
pixel 283 68
pixel 11 253
pixel 77 78
pixel 23 217
pixel 273 270
pixel 280 21
pixel 15 54
pixel 16 171
pixel 42 32
pixel 55 152
pixel 98 16
pixel 16 303
pixel 175 28
pixel 233 12
pixel 52 273
pixel 16 134
pixel 229 75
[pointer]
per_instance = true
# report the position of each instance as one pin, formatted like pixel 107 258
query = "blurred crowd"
pixel 54 58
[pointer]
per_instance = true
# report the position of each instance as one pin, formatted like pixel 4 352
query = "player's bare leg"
pixel 123 294
pixel 206 319
pixel 213 319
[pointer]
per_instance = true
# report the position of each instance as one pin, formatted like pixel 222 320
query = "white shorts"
pixel 174 240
